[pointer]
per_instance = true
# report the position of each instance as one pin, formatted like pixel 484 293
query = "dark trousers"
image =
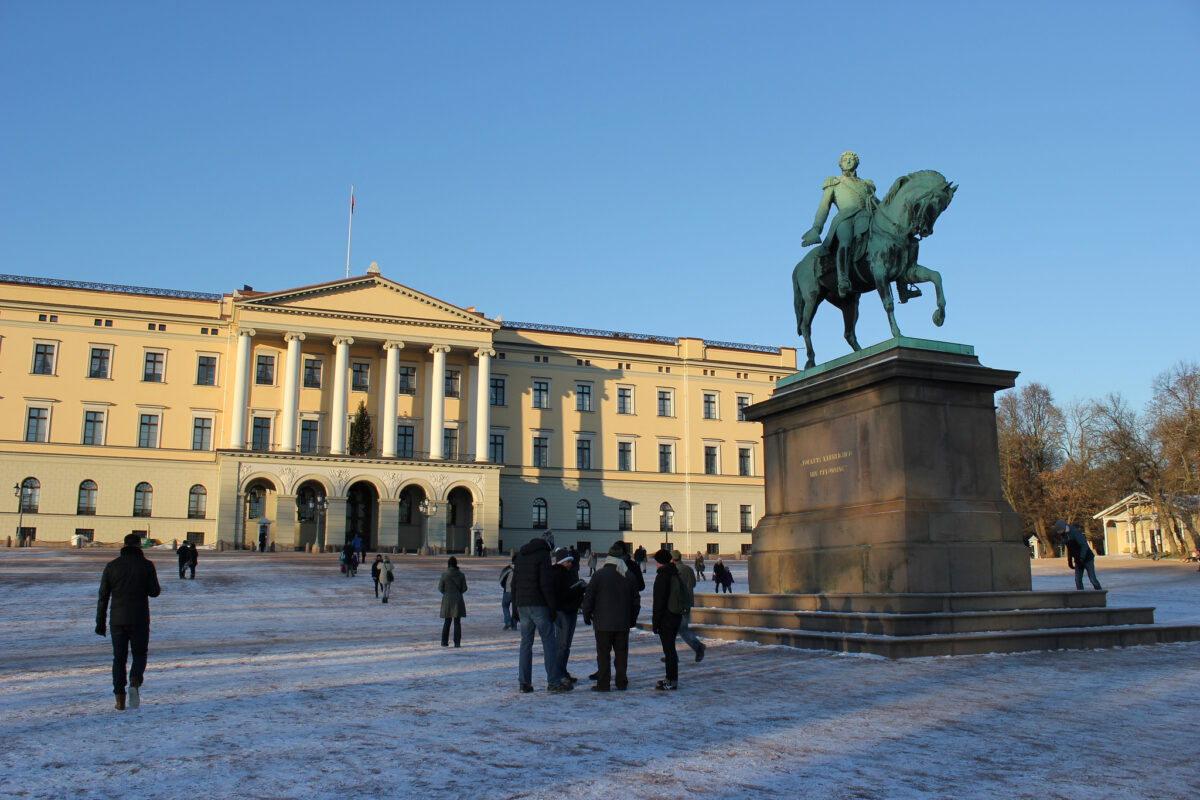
pixel 618 643
pixel 124 639
pixel 668 629
pixel 184 567
pixel 457 631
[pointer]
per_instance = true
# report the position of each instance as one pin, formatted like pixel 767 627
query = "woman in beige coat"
pixel 452 585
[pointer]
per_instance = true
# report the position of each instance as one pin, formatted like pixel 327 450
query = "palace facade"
pixel 223 418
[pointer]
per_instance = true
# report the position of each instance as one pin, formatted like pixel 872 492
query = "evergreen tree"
pixel 360 442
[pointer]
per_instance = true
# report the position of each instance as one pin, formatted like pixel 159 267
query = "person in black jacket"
pixel 533 594
pixel 568 593
pixel 129 580
pixel 665 621
pixel 611 606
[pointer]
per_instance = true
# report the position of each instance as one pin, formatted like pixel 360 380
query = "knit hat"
pixel 617 550
pixel 452 562
pixel 1060 525
pixel 676 555
pixel 662 557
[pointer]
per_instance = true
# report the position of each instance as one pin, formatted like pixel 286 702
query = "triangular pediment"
pixel 372 297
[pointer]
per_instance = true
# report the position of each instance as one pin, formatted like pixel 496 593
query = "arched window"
pixel 31 495
pixel 583 516
pixel 666 518
pixel 143 500
pixel 256 502
pixel 625 516
pixel 86 505
pixel 539 513
pixel 197 502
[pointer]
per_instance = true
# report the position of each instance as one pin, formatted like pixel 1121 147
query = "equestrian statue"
pixel 871 244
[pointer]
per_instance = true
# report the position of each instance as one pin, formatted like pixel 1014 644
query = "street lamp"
pixel 19 493
pixel 428 509
pixel 318 507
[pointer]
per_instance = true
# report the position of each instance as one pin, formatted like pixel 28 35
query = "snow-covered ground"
pixel 271 676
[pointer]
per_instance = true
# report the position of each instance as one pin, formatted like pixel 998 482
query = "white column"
pixel 437 402
pixel 387 419
pixel 337 426
pixel 241 389
pixel 482 407
pixel 291 392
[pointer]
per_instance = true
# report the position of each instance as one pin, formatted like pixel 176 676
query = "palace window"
pixel 310 433
pixel 202 433
pixel 31 496
pixel 264 370
pixel 666 518
pixel 404 441
pixel 540 513
pixel 260 437
pixel 624 400
pixel 583 516
pixel 85 504
pixel 43 358
pixel 665 403
pixel 625 456
pixel 37 424
pixel 583 397
pixel 93 427
pixel 206 370
pixel 746 518
pixel 496 448
pixel 154 366
pixel 496 390
pixel 541 394
pixel 583 454
pixel 450 443
pixel 197 502
pixel 541 451
pixel 711 518
pixel 625 516
pixel 407 380
pixel 665 453
pixel 743 401
pixel 312 373
pixel 453 383
pixel 711 460
pixel 710 405
pixel 143 500
pixel 148 430
pixel 360 376
pixel 98 364
pixel 745 462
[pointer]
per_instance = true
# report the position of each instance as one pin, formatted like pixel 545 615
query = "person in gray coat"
pixel 453 585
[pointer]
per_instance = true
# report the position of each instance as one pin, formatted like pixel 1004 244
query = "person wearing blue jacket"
pixel 1079 556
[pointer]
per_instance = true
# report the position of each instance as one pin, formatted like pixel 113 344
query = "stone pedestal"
pixel 882 476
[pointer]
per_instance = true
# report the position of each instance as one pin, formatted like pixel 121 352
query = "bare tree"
pixel 1174 421
pixel 1029 427
pixel 1077 489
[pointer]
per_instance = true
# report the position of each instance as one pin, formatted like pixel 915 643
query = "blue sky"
pixel 630 166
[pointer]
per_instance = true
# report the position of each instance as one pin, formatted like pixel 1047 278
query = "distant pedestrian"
pixel 689 581
pixel 129 581
pixel 350 560
pixel 187 559
pixel 506 594
pixel 453 585
pixel 479 546
pixel 375 573
pixel 360 548
pixel 667 614
pixel 533 594
pixel 386 576
pixel 1079 556
pixel 699 566
pixel 639 557
pixel 718 572
pixel 610 606
pixel 591 559
pixel 568 593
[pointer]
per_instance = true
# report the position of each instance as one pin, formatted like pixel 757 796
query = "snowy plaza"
pixel 271 676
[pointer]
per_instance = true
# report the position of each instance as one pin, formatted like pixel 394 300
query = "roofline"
pixel 112 288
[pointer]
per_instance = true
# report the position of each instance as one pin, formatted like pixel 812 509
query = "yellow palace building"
pixel 231 419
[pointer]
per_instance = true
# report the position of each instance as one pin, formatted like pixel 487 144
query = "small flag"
pixel 351 199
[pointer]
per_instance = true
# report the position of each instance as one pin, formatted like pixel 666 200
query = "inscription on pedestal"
pixel 818 464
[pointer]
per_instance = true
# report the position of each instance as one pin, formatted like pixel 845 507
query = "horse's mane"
pixel 921 175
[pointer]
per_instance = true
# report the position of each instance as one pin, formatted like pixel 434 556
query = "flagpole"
pixel 349 228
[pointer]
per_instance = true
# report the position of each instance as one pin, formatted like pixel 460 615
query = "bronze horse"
pixel 883 253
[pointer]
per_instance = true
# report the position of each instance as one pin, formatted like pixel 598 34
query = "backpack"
pixel 679 598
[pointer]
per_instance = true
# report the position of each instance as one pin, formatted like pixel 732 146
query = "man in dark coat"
pixel 129 580
pixel 611 606
pixel 1079 556
pixel 568 593
pixel 666 620
pixel 533 594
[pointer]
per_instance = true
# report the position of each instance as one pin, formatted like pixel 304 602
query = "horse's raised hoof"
pixel 939 317
pixel 844 288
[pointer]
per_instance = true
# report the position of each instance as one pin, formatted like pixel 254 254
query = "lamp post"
pixel 428 509
pixel 19 493
pixel 318 507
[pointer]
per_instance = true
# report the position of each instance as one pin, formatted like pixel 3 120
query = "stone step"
pixel 883 624
pixel 911 603
pixel 958 643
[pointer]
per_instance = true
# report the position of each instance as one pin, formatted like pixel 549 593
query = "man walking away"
pixel 129 581
pixel 689 581
pixel 533 591
pixel 668 613
pixel 386 576
pixel 1079 556
pixel 699 565
pixel 506 597
pixel 610 606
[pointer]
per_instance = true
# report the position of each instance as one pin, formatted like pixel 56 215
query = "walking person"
pixel 128 581
pixel 1079 556
pixel 375 573
pixel 533 593
pixel 387 575
pixel 506 593
pixel 360 549
pixel 186 559
pixel 639 557
pixel 718 576
pixel 667 612
pixel 699 565
pixel 610 606
pixel 453 585
pixel 591 559
pixel 568 594
pixel 689 581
